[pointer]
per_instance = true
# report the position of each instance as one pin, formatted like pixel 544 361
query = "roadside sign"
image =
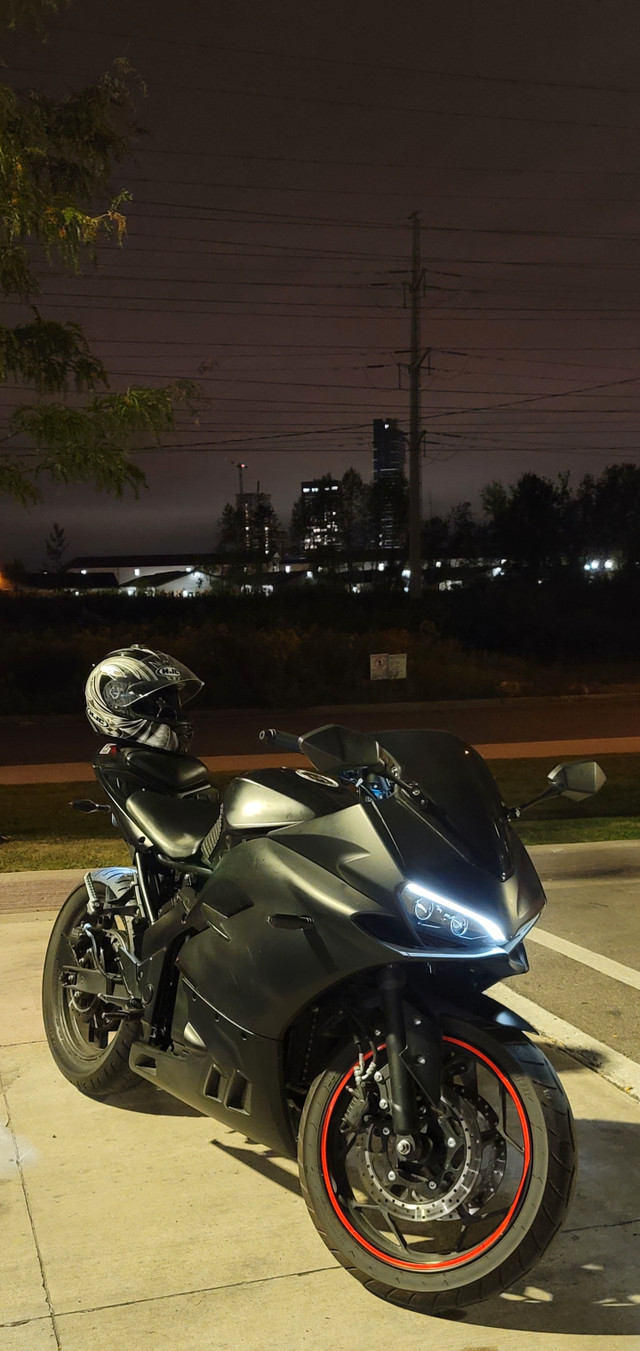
pixel 379 666
pixel 388 665
pixel 397 666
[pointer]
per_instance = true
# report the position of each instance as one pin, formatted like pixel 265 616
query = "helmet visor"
pixel 169 675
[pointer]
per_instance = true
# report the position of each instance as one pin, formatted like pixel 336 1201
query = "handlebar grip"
pixel 280 741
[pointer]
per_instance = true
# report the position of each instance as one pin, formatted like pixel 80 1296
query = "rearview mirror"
pixel 577 780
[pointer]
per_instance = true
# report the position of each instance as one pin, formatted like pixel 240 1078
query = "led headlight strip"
pixel 429 908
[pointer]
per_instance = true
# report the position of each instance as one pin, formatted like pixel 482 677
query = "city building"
pixel 389 448
pixel 389 491
pixel 251 504
pixel 321 512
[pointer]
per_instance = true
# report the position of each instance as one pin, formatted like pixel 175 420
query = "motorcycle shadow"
pixel 588 1282
pixel 145 1097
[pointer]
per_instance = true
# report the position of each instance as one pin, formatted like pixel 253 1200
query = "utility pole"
pixel 416 359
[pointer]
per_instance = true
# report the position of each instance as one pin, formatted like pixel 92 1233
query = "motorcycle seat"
pixel 177 826
pixel 163 769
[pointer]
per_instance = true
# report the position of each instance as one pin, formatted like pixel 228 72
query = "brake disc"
pixel 436 1198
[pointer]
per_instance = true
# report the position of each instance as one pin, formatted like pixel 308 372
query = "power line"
pixel 297 57
pixel 518 171
pixel 220 91
pixel 409 194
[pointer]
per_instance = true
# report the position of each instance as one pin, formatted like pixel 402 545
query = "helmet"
pixel 136 694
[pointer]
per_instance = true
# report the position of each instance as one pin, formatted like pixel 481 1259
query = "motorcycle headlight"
pixel 447 922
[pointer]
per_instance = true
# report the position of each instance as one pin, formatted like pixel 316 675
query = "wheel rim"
pixel 86 1027
pixel 483 1178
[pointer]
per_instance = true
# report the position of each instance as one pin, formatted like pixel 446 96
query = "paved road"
pixel 51 740
pixel 223 1253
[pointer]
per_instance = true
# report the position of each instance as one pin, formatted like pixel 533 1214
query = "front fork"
pixel 414 1057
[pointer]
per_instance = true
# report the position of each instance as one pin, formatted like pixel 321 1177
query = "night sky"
pixel 269 237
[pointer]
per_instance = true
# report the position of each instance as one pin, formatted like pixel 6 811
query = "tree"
pixel 612 514
pixel 56 162
pixel 249 532
pixel 435 539
pixel 231 530
pixel 298 524
pixel 467 537
pixel 527 521
pixel 351 512
pixel 56 546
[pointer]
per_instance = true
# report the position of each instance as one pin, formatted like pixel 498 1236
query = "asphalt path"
pixel 37 740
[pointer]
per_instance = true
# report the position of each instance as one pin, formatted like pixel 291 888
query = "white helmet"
pixel 136 694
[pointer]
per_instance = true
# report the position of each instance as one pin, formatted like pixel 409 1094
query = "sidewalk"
pixel 47 888
pixel 146 1226
pixel 80 770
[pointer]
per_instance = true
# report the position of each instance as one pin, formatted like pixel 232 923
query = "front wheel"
pixel 491 1190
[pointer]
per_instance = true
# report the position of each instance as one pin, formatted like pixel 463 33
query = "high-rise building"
pixel 321 512
pixel 389 487
pixel 389 448
pixel 249 504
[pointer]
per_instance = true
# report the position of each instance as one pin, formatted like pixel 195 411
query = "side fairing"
pixel 248 961
pixel 288 915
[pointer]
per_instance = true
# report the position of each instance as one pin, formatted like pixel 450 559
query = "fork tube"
pixel 404 1112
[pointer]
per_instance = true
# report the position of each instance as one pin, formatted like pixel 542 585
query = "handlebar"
pixel 281 741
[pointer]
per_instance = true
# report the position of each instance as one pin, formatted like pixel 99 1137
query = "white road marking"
pixel 625 974
pixel 612 1065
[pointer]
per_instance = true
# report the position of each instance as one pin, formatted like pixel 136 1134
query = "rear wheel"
pixel 491 1191
pixel 89 1042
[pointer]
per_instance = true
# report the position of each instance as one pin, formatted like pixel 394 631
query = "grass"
pixel 39 830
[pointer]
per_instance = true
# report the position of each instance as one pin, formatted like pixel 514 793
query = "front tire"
pixel 90 1047
pixel 506 1175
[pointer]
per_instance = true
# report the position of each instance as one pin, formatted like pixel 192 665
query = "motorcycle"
pixel 306 960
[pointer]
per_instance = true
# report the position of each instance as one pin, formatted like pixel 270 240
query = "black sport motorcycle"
pixel 306 960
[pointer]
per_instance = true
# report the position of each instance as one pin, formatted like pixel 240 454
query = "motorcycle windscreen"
pixel 464 800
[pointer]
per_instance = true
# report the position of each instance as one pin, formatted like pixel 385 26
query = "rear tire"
pixel 545 1184
pixel 100 1071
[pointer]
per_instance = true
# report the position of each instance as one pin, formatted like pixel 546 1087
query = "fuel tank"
pixel 268 799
